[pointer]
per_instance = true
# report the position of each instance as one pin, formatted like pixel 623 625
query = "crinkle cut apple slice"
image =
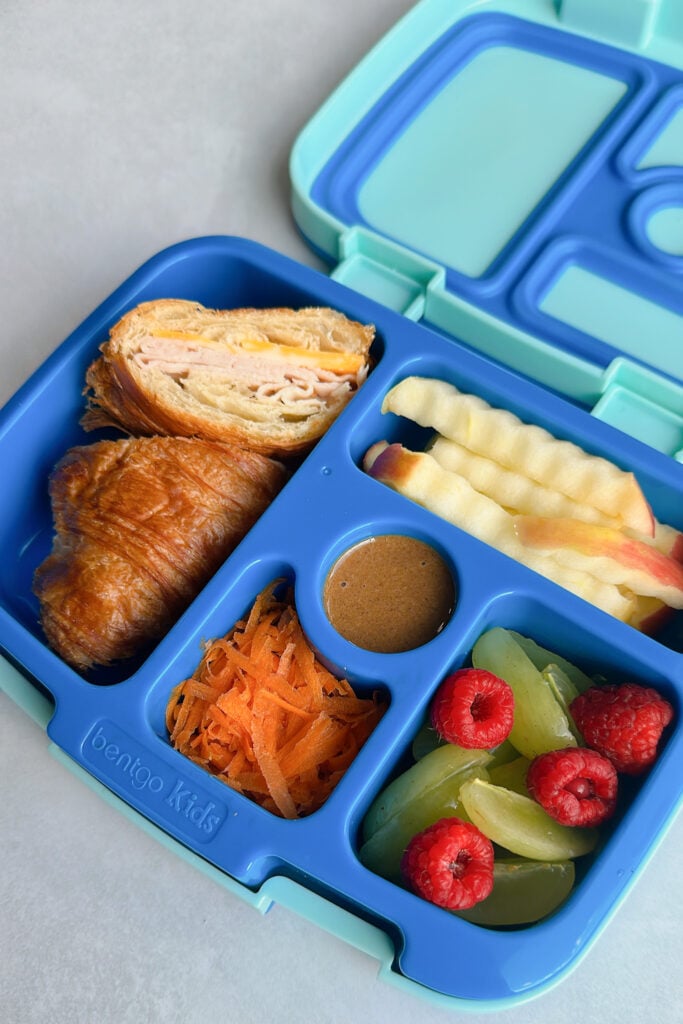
pixel 510 488
pixel 525 448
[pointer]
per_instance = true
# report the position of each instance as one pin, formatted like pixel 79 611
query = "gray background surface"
pixel 125 127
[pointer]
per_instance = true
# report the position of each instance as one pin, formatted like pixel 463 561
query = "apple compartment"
pixel 623 554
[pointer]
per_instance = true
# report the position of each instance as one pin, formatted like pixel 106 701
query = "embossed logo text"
pixel 124 762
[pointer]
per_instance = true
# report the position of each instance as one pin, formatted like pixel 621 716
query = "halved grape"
pixel 503 754
pixel 540 724
pixel 434 771
pixel 564 691
pixel 520 825
pixel 524 891
pixel 511 775
pixel 541 657
pixel 383 851
pixel 426 740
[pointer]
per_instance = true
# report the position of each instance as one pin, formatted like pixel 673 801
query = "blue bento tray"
pixel 490 324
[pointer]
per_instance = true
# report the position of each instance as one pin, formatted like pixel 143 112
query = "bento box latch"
pixel 643 404
pixel 386 272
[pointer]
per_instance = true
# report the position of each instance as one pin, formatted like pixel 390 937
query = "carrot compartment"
pixel 264 715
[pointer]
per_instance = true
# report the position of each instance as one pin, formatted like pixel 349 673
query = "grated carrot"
pixel 265 716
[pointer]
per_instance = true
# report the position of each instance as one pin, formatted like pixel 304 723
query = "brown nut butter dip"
pixel 389 593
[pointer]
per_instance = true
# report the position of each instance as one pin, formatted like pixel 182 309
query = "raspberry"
pixel 623 722
pixel 450 864
pixel 473 708
pixel 574 785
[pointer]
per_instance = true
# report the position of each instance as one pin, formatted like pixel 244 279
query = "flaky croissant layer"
pixel 141 524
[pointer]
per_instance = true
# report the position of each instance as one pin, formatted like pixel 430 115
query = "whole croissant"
pixel 141 524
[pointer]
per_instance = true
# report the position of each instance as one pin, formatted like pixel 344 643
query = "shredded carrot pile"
pixel 266 717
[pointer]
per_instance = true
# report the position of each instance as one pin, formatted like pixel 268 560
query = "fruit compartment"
pixel 612 654
pixel 521 955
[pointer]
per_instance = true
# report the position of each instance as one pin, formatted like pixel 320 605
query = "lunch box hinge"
pixel 625 22
pixel 386 272
pixel 644 405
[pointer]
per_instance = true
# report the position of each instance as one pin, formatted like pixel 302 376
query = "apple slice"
pixel 665 538
pixel 511 489
pixel 608 554
pixel 419 477
pixel 525 448
pixel 649 615
pixel 673 539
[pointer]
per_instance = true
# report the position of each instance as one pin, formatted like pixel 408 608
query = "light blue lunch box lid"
pixel 510 173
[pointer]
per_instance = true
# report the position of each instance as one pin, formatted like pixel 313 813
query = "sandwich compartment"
pixel 498 305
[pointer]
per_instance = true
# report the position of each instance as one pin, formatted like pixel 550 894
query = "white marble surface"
pixel 125 127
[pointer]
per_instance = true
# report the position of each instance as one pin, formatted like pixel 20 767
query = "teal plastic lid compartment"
pixel 477 146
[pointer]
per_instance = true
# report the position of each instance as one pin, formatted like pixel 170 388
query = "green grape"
pixel 541 657
pixel 511 775
pixel 383 851
pixel 503 753
pixel 564 688
pixel 540 724
pixel 524 891
pixel 520 825
pixel 426 740
pixel 434 771
pixel 564 692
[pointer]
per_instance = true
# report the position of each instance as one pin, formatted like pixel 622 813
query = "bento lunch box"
pixel 528 316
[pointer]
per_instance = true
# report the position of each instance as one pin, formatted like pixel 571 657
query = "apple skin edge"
pixel 650 615
pixel 590 539
pixel 371 456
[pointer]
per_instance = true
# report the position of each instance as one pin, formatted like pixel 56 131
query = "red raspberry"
pixel 473 708
pixel 623 722
pixel 450 864
pixel 574 785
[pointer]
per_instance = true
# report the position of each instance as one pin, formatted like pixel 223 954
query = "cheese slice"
pixel 336 362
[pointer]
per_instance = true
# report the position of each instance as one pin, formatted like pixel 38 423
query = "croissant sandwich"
pixel 140 526
pixel 272 380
